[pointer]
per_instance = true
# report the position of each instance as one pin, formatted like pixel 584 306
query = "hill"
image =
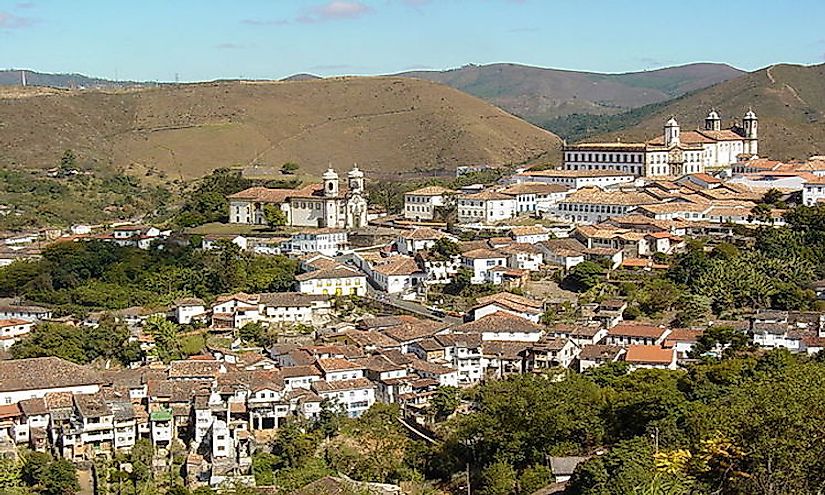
pixel 14 77
pixel 386 125
pixel 788 99
pixel 540 95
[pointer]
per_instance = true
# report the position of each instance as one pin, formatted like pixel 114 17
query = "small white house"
pixel 480 261
pixel 338 281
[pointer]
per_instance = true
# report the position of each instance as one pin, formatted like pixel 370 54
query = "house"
pixel 682 340
pixel 184 311
pixel 11 330
pixel 235 310
pixel 326 241
pixel 598 354
pixel 510 303
pixel 626 333
pixel 485 207
pixel 533 197
pixel 22 379
pixel 293 307
pixel 28 313
pixel 581 335
pixel 564 467
pixel 463 353
pixel 813 191
pixel 213 241
pixel 530 234
pixel 502 358
pixel 595 205
pixel 480 262
pixel 424 204
pixel 438 269
pixel 502 326
pixel 650 356
pixel 577 179
pixel 550 352
pixel 420 239
pixel 565 253
pixel 327 204
pixel 338 281
pixel 522 256
pixel 398 274
pixel 353 396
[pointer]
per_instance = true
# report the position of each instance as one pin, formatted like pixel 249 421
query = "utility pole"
pixel 468 480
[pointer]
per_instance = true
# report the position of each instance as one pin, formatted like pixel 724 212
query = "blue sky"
pixel 211 39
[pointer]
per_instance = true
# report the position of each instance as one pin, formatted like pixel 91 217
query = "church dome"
pixel 355 173
pixel 330 174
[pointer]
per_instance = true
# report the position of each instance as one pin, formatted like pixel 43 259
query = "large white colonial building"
pixel 328 204
pixel 673 154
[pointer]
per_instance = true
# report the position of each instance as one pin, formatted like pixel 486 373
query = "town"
pixel 548 271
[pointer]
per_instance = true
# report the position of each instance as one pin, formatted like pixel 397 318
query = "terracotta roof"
pixel 299 371
pixel 263 194
pixel 337 364
pixel 528 230
pixel 340 271
pixel 432 191
pixel 577 173
pixel 684 335
pixel 8 411
pixel 599 352
pixel 397 265
pixel 33 407
pixel 423 233
pixel 648 354
pixel 44 373
pixel 194 368
pixel 499 322
pixel 576 330
pixel 597 195
pixel 486 195
pixel 289 299
pixel 533 188
pixel 13 322
pixel 482 253
pixel 339 385
pixel 636 330
pixel 511 301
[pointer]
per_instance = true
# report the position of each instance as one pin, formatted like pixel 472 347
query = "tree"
pixel 445 402
pixel 167 342
pixel 60 478
pixel 583 276
pixel 498 478
pixel 720 338
pixel 289 168
pixel 274 215
pixel 10 476
pixel 690 309
pixel 444 249
pixel 534 477
pixel 68 161
pixel 658 295
pixel 34 467
pixel 252 333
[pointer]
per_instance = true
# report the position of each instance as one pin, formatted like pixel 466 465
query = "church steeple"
pixel 713 122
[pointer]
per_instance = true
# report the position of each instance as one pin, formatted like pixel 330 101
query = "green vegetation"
pixel 579 126
pixel 37 472
pixel 79 344
pixel 77 277
pixel 743 425
pixel 93 195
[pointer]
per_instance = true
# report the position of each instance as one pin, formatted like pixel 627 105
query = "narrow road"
pixel 411 307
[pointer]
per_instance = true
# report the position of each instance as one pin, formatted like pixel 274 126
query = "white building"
pixel 22 379
pixel 673 154
pixel 422 204
pixel 813 191
pixel 481 261
pixel 485 207
pixel 337 281
pixel 420 239
pixel 503 326
pixel 595 205
pixel 530 234
pixel 327 241
pixel 185 310
pixel 353 396
pixel 30 313
pixel 11 330
pixel 578 178
pixel 533 197
pixel 293 307
pixel 397 274
pixel 328 204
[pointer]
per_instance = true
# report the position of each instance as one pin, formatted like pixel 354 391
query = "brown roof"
pixel 340 271
pixel 482 253
pixel 528 230
pixel 338 385
pixel 424 233
pixel 33 407
pixel 92 405
pixel 499 322
pixel 599 352
pixel 486 195
pixel 194 368
pixel 298 371
pixel 263 194
pixel 648 354
pixel 13 322
pixel 533 188
pixel 597 195
pixel 44 373
pixel 397 265
pixel 575 173
pixel 636 330
pixel 432 191
pixel 412 328
pixel 337 364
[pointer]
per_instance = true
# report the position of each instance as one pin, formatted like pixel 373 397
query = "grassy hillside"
pixel 540 95
pixel 788 99
pixel 387 125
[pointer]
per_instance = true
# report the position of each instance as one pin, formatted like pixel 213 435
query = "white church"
pixel 673 154
pixel 328 204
